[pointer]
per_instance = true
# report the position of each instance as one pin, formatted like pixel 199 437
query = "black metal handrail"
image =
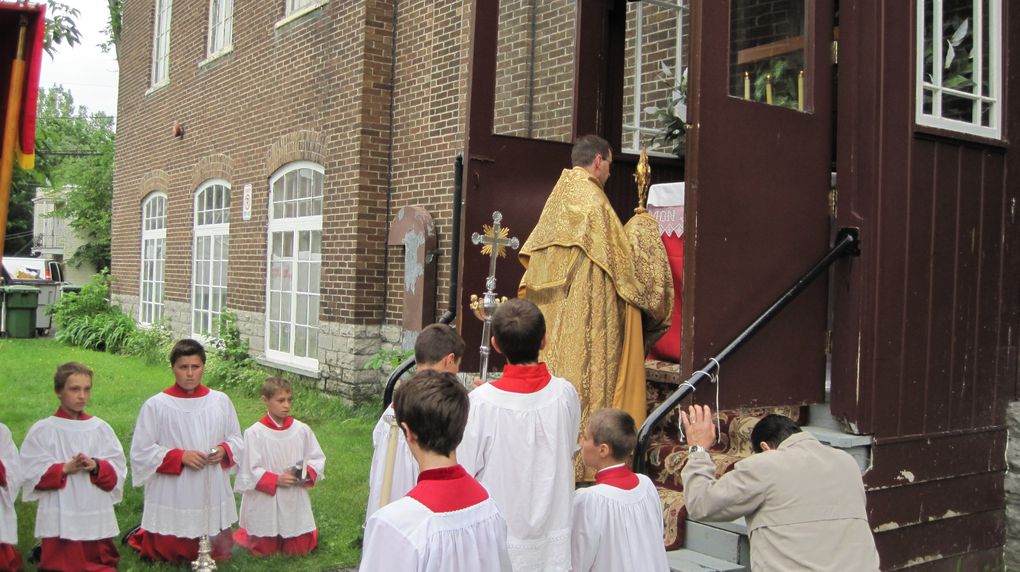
pixel 451 308
pixel 847 244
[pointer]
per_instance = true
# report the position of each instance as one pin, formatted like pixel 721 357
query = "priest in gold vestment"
pixel 605 289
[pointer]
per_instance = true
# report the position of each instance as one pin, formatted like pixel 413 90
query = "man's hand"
pixel 698 425
pixel 89 464
pixel 195 460
pixel 286 479
pixel 216 455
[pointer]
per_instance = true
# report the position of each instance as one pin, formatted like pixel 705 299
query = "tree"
pixel 62 26
pixel 74 151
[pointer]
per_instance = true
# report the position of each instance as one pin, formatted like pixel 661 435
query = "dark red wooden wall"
pixel 926 319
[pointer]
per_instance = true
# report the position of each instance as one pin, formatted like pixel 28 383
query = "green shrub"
pixel 153 344
pixel 87 319
pixel 93 299
pixel 229 365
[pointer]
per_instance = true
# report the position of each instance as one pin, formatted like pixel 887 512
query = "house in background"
pixel 54 239
pixel 267 149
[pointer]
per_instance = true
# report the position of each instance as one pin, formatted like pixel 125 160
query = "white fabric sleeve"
pixel 12 465
pixel 472 451
pixel 314 456
pixel 575 415
pixel 584 535
pixel 737 493
pixel 36 458
pixel 232 432
pixel 386 549
pixel 249 464
pixel 112 452
pixel 146 452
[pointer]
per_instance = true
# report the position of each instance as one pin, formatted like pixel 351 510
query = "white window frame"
pixel 294 225
pixel 221 27
pixel 161 43
pixel 151 269
pixel 639 121
pixel 993 99
pixel 209 272
pixel 296 6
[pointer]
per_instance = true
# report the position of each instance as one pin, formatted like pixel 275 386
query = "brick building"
pixel 219 104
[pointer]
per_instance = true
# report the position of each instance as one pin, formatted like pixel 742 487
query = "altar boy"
pixel 617 523
pixel 447 521
pixel 438 347
pixel 185 442
pixel 10 480
pixel 74 467
pixel 282 459
pixel 520 441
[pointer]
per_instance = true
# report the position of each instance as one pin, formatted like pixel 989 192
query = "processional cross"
pixel 494 240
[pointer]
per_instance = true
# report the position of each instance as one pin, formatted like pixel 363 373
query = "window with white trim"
pixel 655 77
pixel 153 259
pixel 297 5
pixel 209 258
pixel 221 26
pixel 161 43
pixel 959 66
pixel 295 259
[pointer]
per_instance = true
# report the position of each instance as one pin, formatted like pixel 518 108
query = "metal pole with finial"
pixel 494 240
pixel 205 562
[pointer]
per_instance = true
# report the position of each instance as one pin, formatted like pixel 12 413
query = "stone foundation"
pixel 1012 486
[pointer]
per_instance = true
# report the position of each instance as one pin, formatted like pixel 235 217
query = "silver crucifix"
pixel 494 241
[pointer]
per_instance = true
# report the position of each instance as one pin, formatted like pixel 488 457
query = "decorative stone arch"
pixel 153 181
pixel 303 145
pixel 215 166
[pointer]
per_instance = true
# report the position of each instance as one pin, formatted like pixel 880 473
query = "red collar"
pixel 63 415
pixel 176 391
pixel 523 378
pixel 619 476
pixel 268 422
pixel 447 489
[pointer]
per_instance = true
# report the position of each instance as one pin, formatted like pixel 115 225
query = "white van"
pixel 21 268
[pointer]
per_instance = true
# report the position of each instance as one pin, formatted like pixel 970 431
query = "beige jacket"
pixel 804 503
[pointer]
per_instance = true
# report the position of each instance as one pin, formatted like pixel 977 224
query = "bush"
pixel 87 319
pixel 229 365
pixel 153 344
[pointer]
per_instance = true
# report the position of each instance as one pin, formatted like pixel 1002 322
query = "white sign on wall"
pixel 246 203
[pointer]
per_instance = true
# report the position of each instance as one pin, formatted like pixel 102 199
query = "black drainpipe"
pixel 389 160
pixel 458 192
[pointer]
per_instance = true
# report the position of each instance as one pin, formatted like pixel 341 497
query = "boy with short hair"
pixel 10 481
pixel 439 348
pixel 520 441
pixel 282 459
pixel 185 444
pixel 74 467
pixel 617 522
pixel 447 521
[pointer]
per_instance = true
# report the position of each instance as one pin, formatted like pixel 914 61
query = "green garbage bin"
pixel 70 289
pixel 22 302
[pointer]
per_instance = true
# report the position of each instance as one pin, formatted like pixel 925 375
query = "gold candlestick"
pixel 800 91
pixel 747 85
pixel 768 89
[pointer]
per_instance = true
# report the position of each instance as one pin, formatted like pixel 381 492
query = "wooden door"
pixel 536 83
pixel 758 176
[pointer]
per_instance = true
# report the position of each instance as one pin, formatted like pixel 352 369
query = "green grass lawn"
pixel 120 386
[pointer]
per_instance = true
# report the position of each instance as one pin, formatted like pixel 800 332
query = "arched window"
pixel 209 257
pixel 153 258
pixel 295 258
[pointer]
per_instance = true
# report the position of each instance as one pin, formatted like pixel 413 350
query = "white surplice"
pixel 177 505
pixel 406 535
pixel 80 510
pixel 405 468
pixel 520 447
pixel 616 529
pixel 12 465
pixel 288 513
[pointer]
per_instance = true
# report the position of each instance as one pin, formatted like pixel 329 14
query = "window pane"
pixel 535 69
pixel 958 108
pixel 655 63
pixel 767 53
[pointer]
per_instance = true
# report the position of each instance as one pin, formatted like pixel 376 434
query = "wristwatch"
pixel 695 449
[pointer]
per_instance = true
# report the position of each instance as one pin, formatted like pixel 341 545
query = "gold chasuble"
pixel 606 293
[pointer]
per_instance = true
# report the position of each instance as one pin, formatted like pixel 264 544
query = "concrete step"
pixel 726 541
pixel 686 560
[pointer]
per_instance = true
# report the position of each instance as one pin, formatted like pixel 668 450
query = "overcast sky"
pixel 84 70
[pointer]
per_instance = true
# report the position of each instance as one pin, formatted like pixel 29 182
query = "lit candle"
pixel 768 89
pixel 747 85
pixel 800 91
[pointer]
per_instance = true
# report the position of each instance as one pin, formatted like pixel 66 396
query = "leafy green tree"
pixel 74 156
